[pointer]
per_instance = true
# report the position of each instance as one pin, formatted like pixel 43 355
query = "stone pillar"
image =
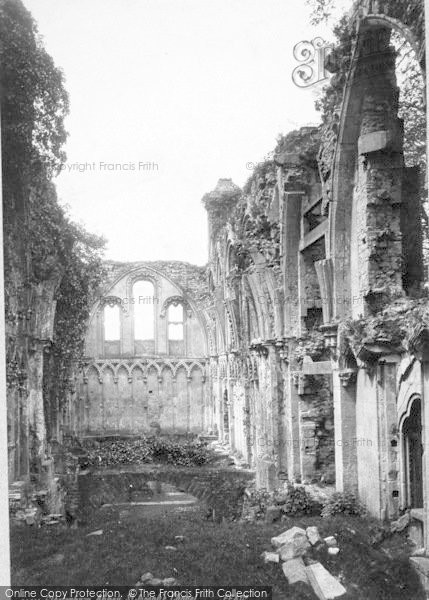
pixel 188 403
pixel 292 433
pixel 231 414
pixel 389 451
pixel 344 390
pixel 174 402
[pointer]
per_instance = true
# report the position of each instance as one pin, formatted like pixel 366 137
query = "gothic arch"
pixel 175 301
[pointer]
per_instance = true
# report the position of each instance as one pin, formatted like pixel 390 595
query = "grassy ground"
pixel 134 542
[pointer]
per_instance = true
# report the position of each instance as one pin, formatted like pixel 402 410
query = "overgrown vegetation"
pixel 148 450
pixel 300 502
pixel 396 325
pixel 211 554
pixel 344 503
pixel 41 243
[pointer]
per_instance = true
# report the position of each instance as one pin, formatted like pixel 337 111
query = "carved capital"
pixel 347 377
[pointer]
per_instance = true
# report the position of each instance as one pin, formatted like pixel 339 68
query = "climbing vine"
pixel 41 243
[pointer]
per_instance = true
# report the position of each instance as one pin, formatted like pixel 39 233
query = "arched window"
pixel 175 323
pixel 144 316
pixel 112 323
pixel 112 330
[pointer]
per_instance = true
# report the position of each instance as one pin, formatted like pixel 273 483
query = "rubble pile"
pixel 298 550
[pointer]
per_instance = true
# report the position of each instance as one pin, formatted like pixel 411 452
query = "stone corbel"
pixel 347 376
pixel 369 354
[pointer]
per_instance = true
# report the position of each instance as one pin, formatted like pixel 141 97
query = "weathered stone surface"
pixel 295 571
pixel 421 563
pixel 169 581
pixel 270 557
pixel 325 586
pixel 296 547
pixel 401 523
pixel 331 541
pixel 313 535
pixel 287 536
pixel 97 532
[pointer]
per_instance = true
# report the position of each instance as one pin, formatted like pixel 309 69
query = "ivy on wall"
pixel 41 243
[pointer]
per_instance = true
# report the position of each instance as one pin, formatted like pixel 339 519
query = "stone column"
pixel 188 403
pixel 174 400
pixel 344 391
pixel 389 455
pixel 231 413
pixel 293 438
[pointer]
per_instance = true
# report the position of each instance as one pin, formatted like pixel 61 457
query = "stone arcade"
pixel 282 346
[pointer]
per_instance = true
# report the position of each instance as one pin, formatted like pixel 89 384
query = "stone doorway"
pixel 413 455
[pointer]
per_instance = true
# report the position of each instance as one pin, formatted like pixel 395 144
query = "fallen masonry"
pixel 294 547
pixel 149 579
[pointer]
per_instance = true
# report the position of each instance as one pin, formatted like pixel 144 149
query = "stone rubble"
pixel 270 557
pixel 325 586
pixel 149 579
pixel 295 571
pixel 294 547
pixel 313 535
pixel 401 523
pixel 331 541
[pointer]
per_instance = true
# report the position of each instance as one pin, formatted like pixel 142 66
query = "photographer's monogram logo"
pixel 311 56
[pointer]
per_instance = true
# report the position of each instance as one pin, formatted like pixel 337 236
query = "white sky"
pixel 199 87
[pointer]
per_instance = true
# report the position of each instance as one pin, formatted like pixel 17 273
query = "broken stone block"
pixel 172 548
pixel 313 535
pixel 169 581
pixel 421 563
pixel 333 551
pixel 295 548
pixel 270 557
pixel 287 536
pixel 273 513
pixel 154 581
pixel 331 541
pixel 146 577
pixel 325 586
pixel 400 524
pixel 295 571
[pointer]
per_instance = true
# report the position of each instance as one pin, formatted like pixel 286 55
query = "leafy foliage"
pixel 321 10
pixel 300 502
pixel 148 450
pixel 394 325
pixel 344 503
pixel 41 244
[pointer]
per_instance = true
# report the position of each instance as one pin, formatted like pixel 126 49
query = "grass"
pixel 134 542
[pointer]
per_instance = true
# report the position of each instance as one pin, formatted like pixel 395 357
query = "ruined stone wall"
pixel 155 386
